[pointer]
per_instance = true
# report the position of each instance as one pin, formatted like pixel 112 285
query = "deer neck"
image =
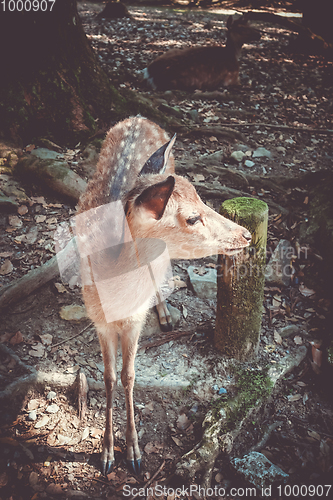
pixel 234 48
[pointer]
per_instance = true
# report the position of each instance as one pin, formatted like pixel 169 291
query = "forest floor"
pixel 284 105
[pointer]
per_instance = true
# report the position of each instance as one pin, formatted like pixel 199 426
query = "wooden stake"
pixel 240 283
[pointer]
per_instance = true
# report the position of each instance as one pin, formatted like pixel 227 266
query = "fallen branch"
pixel 37 277
pixel 167 337
pixel 53 173
pixel 217 131
pixel 290 128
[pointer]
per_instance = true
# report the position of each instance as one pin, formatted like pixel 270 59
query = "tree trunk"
pixel 240 284
pixel 51 83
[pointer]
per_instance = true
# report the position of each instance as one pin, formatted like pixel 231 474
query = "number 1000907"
pixel 27 5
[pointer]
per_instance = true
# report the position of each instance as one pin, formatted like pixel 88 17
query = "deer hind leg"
pixel 129 344
pixel 108 339
pixel 164 316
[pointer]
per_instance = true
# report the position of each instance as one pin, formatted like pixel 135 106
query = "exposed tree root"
pixel 220 431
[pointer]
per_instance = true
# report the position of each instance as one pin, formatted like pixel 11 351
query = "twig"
pixel 166 338
pixel 282 127
pixel 148 483
pixel 266 436
pixel 73 336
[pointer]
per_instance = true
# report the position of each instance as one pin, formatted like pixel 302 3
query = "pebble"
pixel 51 395
pixel 32 415
pixel 52 408
pixel 42 422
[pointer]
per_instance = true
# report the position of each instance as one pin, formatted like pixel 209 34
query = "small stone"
pixel 44 154
pixel 52 408
pixel 32 415
pixel 261 152
pixel 15 221
pixel 93 402
pixel 289 330
pixel 249 163
pixel 73 312
pixel 237 155
pixel 42 422
pixel 204 286
pixel 51 395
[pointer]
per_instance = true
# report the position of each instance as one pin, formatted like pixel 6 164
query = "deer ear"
pixel 155 198
pixel 156 164
pixel 229 22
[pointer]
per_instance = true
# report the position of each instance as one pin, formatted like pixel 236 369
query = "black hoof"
pixel 134 466
pixel 106 467
pixel 166 327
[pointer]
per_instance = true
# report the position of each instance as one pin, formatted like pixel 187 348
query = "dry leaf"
pixel 15 221
pixel 17 338
pixel 153 447
pixel 295 397
pixel 314 435
pixel 40 218
pixel 177 441
pixel 6 268
pixel 277 337
pixel 306 292
pixel 23 209
pixel 60 287
pixel 182 422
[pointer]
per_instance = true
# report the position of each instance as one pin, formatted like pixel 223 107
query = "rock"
pixel 32 415
pixel 6 268
pixel 15 221
pixel 194 115
pixel 259 471
pixel 278 268
pixel 249 163
pixel 288 331
pixel 261 152
pixel 7 203
pixel 45 154
pixel 237 155
pixel 41 423
pixel 32 235
pixel 73 312
pixel 204 286
pixel 51 395
pixel 52 408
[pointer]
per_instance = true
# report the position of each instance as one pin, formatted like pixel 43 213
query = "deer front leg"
pixel 129 347
pixel 109 343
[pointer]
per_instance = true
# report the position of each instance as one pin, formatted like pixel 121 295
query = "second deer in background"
pixel 205 67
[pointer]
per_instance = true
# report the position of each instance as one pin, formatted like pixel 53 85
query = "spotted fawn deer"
pixel 205 67
pixel 135 215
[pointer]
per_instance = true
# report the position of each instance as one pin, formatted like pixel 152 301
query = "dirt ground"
pixel 281 95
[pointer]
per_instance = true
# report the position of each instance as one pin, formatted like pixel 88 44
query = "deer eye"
pixel 192 220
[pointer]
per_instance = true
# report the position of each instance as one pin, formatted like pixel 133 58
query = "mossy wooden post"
pixel 240 283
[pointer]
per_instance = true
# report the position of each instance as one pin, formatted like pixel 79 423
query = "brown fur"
pixel 161 209
pixel 203 67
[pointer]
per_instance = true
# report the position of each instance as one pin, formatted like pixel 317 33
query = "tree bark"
pixel 240 284
pixel 51 83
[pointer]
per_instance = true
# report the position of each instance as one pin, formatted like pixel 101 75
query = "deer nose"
pixel 247 235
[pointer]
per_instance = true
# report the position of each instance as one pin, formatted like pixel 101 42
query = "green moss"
pixel 252 386
pixel 241 287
